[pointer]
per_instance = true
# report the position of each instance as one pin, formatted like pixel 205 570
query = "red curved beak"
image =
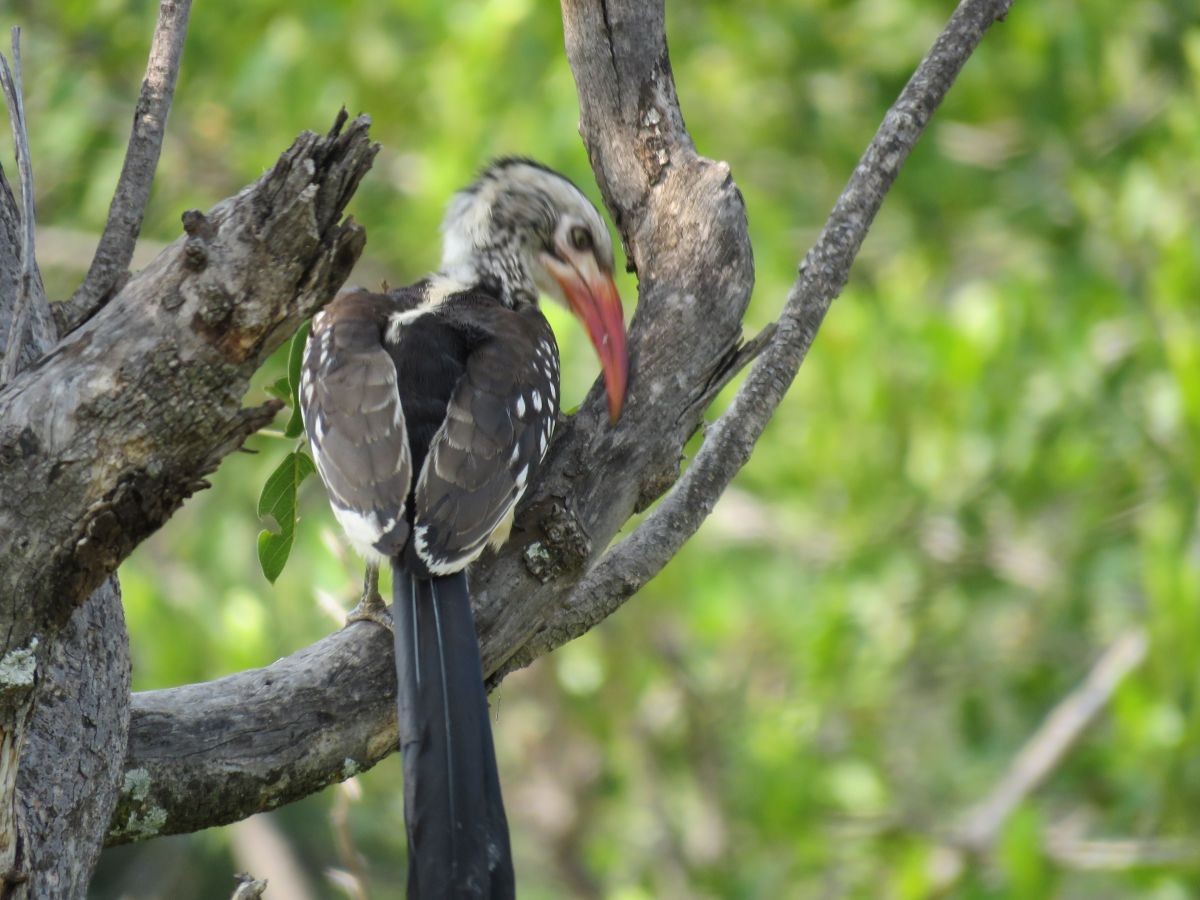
pixel 593 297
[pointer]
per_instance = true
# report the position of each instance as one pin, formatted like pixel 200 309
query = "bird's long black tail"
pixel 457 832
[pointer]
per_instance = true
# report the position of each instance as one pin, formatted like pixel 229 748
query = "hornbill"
pixel 429 409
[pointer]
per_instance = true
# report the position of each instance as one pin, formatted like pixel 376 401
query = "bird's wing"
pixel 498 425
pixel 355 422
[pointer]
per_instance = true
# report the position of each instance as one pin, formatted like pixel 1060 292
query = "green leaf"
pixel 280 390
pixel 278 503
pixel 295 425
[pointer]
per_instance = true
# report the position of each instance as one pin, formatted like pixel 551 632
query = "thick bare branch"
pixel 110 265
pixel 691 298
pixel 75 743
pixel 683 339
pixel 29 284
pixel 208 754
pixel 100 443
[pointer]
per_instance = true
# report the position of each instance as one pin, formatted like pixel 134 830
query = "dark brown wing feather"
pixel 355 422
pixel 498 424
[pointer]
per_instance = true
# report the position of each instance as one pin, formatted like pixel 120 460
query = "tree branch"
pixel 209 754
pixel 71 766
pixel 10 80
pixel 110 265
pixel 101 442
pixel 248 888
pixel 823 273
pixel 980 828
pixel 683 337
pixel 683 340
pixel 1122 854
pixel 1049 745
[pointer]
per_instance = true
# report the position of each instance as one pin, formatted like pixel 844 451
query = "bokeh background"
pixel 985 474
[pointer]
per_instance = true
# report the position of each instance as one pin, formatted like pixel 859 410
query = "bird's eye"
pixel 581 238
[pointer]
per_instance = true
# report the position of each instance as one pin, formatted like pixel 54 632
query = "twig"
pixel 10 80
pixel 110 265
pixel 1048 746
pixel 979 829
pixel 248 888
pixel 352 878
pixel 1121 854
pixel 258 843
pixel 730 441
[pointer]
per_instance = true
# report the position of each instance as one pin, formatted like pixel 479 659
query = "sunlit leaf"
pixel 295 425
pixel 277 502
pixel 279 390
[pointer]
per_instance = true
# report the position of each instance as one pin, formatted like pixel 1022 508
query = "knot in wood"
pixel 199 231
pixel 195 257
pixel 197 225
pixel 216 307
pixel 564 549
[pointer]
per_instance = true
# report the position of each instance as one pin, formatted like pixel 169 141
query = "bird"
pixel 429 410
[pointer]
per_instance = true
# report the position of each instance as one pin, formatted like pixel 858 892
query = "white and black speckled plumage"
pixel 452 402
pixel 429 410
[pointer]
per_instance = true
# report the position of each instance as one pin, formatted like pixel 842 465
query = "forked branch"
pixel 823 273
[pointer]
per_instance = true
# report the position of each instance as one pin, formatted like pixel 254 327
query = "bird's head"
pixel 523 229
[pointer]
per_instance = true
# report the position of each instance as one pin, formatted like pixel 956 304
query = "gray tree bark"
pixel 80 703
pixel 100 447
pixel 71 767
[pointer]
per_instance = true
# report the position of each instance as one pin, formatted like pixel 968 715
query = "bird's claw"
pixel 371 607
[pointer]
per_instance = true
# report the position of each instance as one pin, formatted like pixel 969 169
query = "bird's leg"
pixel 371 607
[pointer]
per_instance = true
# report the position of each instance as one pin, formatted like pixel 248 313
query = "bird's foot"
pixel 371 607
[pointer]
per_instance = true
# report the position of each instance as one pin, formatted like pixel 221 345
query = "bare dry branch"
pixel 980 828
pixel 80 704
pixel 100 443
pixel 10 80
pixel 212 753
pixel 1049 745
pixel 248 888
pixel 1122 854
pixel 110 265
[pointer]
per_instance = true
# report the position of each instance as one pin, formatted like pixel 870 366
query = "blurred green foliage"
pixel 985 473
